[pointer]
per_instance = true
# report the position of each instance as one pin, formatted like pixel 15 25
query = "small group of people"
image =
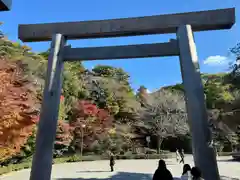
pixel 188 173
pixel 163 173
pixel 180 156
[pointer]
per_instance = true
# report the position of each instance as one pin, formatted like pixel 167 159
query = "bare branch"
pixel 166 114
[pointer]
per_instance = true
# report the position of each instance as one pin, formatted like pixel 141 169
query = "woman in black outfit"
pixel 112 162
pixel 162 172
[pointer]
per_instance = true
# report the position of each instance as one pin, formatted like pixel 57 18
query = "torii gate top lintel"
pixel 5 5
pixel 160 24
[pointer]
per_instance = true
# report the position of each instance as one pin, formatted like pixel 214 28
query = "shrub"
pixel 150 151
pixel 74 158
pixel 14 167
pixel 129 155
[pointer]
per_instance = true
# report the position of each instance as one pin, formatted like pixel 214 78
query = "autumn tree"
pixel 89 123
pixel 63 138
pixel 165 115
pixel 17 114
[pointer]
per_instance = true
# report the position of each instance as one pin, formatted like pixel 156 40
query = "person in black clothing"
pixel 196 173
pixel 162 172
pixel 181 152
pixel 112 162
pixel 186 174
pixel 186 168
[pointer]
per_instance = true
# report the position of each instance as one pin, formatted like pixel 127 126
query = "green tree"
pixel 217 93
pixel 28 149
pixel 236 50
pixel 113 95
pixel 108 71
pixel 45 54
pixel 142 95
pixel 73 84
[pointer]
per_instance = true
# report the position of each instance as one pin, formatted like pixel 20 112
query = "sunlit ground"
pixel 124 170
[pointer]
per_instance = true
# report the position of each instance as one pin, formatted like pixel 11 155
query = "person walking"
pixel 186 174
pixel 162 172
pixel 177 155
pixel 182 156
pixel 112 163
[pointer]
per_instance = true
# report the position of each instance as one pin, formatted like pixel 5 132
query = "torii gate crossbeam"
pixel 5 5
pixel 183 24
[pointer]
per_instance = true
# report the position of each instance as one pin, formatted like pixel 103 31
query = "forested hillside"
pixel 100 108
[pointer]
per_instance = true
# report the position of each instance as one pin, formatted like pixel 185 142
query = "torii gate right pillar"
pixel 203 152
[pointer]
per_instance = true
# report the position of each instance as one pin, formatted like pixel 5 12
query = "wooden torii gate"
pixel 183 24
pixel 5 5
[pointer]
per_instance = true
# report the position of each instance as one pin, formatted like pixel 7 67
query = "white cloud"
pixel 136 91
pixel 148 91
pixel 216 60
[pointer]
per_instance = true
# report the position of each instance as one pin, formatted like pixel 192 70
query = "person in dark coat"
pixel 182 156
pixel 186 174
pixel 196 173
pixel 162 172
pixel 112 162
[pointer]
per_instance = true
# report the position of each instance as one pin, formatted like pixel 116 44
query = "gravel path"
pixel 124 170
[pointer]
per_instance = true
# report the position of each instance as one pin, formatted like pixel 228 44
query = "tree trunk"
pixel 159 143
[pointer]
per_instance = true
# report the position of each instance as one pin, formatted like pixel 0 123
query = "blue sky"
pixel 153 73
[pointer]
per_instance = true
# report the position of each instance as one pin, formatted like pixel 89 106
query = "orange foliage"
pixel 17 118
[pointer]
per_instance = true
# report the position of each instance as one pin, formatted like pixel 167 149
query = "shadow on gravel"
pixel 129 176
pixel 91 171
pixel 227 178
pixel 118 176
pixel 228 160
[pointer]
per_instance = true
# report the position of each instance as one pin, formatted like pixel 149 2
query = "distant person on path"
pixel 112 163
pixel 177 155
pixel 216 151
pixel 162 172
pixel 186 175
pixel 196 174
pixel 182 156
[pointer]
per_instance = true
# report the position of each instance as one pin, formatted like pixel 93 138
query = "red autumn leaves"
pixel 87 117
pixel 88 109
pixel 96 121
pixel 18 119
pixel 61 98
